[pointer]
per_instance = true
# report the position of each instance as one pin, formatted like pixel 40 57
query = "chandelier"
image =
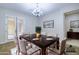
pixel 37 11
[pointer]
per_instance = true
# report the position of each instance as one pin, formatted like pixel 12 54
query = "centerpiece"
pixel 38 32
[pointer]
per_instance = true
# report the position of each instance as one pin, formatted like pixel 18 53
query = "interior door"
pixel 20 26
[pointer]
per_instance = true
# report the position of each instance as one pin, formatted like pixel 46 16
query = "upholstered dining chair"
pixel 26 48
pixel 61 49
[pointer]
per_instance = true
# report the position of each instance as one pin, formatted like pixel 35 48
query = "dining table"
pixel 43 41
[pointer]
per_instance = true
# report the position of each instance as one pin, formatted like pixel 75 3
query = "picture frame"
pixel 74 24
pixel 48 24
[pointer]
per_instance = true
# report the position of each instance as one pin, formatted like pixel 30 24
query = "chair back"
pixel 62 48
pixel 21 46
pixel 38 29
pixel 17 45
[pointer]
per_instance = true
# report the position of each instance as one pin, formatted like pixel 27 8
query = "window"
pixel 11 26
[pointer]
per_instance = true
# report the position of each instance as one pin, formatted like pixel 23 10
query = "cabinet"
pixel 73 35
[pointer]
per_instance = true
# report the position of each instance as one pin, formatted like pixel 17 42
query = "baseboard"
pixel 6 42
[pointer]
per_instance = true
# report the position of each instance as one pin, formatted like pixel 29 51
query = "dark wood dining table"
pixel 43 43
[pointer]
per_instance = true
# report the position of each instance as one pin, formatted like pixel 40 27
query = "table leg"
pixel 58 44
pixel 43 51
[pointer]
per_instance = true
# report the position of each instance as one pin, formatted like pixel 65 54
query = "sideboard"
pixel 73 35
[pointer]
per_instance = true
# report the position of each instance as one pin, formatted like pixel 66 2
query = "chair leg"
pixel 46 51
pixel 17 53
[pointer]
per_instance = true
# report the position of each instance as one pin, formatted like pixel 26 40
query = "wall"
pixel 59 20
pixel 69 18
pixel 68 9
pixel 58 24
pixel 29 22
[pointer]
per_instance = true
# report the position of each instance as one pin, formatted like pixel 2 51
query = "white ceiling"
pixel 29 7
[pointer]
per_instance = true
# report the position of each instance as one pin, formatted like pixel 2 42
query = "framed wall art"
pixel 48 24
pixel 74 24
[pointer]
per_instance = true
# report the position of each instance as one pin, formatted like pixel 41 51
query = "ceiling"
pixel 29 7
